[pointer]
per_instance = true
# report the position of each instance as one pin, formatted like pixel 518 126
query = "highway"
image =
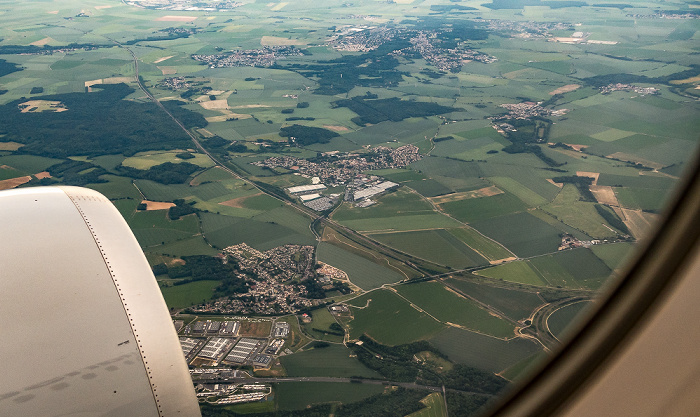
pixel 407 385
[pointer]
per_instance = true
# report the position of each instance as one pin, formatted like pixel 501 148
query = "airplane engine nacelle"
pixel 85 330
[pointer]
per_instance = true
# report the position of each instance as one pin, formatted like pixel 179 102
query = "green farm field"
pixel 299 395
pixel 262 235
pixel 185 295
pixel 482 352
pixel 434 406
pixel 517 305
pixel 146 160
pixel 438 246
pixel 402 223
pixel 28 163
pixel 561 319
pixel 449 307
pixel 475 209
pixel 334 361
pixel 361 271
pixel 321 320
pixel 580 215
pixel 160 192
pixel 572 268
pixel 400 203
pixel 647 199
pixel 192 246
pixel 489 249
pixel 389 319
pixel 117 188
pixel 9 173
pixel 522 233
pixel 517 271
pixel 614 255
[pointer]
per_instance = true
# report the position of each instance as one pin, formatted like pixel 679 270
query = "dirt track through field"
pixel 482 192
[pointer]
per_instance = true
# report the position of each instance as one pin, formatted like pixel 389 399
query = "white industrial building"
pixel 374 190
pixel 305 188
pixel 309 197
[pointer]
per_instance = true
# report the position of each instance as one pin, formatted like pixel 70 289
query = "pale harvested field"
pixel 227 115
pixel 14 182
pixel 53 12
pixel 215 104
pixel 42 42
pixel 594 175
pixel 176 18
pixel 205 97
pixel 618 211
pixel 238 202
pixel 569 152
pixel 108 6
pixel 38 106
pixel 111 80
pixel 279 41
pixel 157 205
pixel 482 192
pixel 10 146
pixel 278 6
pixel 162 59
pixel 42 175
pixel 250 106
pixel 500 261
pixel 687 80
pixel 558 184
pixel 568 40
pixel 515 74
pixel 205 133
pixel 168 70
pixel 577 147
pixel 604 194
pixel 565 89
pixel 336 128
pixel 639 222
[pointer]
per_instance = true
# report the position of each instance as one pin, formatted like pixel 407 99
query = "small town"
pixel 364 38
pixel 526 111
pixel 279 281
pixel 175 83
pixel 189 5
pixel 628 87
pixel 527 29
pixel 337 169
pixel 361 38
pixel 443 59
pixel 263 57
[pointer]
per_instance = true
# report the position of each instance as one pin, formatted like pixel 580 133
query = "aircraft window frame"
pixel 650 275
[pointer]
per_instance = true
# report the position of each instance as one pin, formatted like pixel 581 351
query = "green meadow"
pixel 389 319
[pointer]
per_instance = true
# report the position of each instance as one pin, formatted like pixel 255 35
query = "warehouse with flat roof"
pixel 215 348
pixel 242 350
pixel 305 188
